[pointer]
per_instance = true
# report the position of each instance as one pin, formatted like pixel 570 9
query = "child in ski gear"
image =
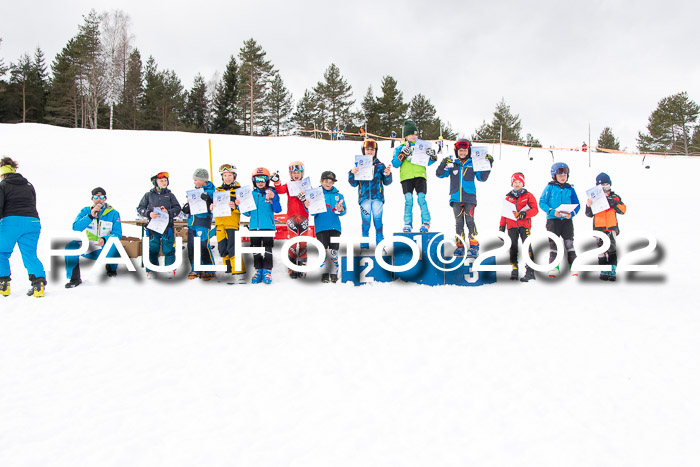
pixel 413 177
pixel 606 222
pixel 267 202
pixel 199 225
pixel 525 210
pixel 556 193
pixel 19 225
pixel 297 216
pixel 160 197
pixel 328 223
pixel 463 192
pixel 227 226
pixel 371 192
pixel 100 221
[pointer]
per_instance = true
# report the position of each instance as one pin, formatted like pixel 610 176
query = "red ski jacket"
pixel 521 200
pixel 294 206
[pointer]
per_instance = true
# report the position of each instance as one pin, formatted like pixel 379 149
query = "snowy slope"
pixel 566 372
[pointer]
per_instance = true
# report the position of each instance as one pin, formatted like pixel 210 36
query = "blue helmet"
pixel 559 168
pixel 603 178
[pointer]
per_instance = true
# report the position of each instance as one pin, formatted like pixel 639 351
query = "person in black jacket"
pixel 19 225
pixel 164 199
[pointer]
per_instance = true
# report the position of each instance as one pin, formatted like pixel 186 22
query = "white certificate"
pixel 508 209
pixel 160 223
pixel 296 187
pixel 568 208
pixel 317 201
pixel 197 204
pixel 479 161
pixel 245 195
pixel 600 201
pixel 221 200
pixel 419 157
pixel 366 168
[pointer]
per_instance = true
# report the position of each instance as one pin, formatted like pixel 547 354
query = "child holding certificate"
pixel 328 222
pixel 606 221
pixel 518 224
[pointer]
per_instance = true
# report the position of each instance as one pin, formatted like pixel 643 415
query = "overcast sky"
pixel 560 65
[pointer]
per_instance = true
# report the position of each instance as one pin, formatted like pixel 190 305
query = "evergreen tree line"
pixel 99 80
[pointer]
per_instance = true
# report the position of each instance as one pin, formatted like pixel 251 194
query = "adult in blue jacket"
pixel 164 199
pixel 559 192
pixel 371 192
pixel 199 225
pixel 19 225
pixel 327 224
pixel 463 192
pixel 267 202
pixel 100 222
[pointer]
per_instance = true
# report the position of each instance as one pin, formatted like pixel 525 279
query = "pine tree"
pixel 333 95
pixel 63 102
pixel 305 115
pixel 670 125
pixel 392 109
pixel 3 86
pixel 423 114
pixel 502 118
pixel 128 109
pixel 40 85
pixel 3 68
pixel 254 74
pixel 151 96
pixel 695 142
pixel 197 107
pixel 370 112
pixel 92 68
pixel 278 105
pixel 607 140
pixel 172 102
pixel 225 118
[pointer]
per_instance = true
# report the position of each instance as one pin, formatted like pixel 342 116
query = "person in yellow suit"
pixel 227 227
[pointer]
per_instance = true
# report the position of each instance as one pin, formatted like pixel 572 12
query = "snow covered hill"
pixel 566 372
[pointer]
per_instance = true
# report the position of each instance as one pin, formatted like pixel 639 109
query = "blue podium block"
pixel 423 272
pixel 464 275
pixel 365 270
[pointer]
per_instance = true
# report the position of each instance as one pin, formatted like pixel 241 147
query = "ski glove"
pixel 205 197
pixel 186 208
pixel 502 228
pixel 275 177
pixel 522 215
pixel 431 153
pixel 489 158
pixel 301 197
pixel 405 152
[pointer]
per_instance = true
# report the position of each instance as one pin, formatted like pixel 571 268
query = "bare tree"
pixel 117 46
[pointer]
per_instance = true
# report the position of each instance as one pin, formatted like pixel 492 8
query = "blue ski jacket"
pixel 107 224
pixel 263 218
pixel 462 176
pixel 371 189
pixel 204 219
pixel 330 220
pixel 556 194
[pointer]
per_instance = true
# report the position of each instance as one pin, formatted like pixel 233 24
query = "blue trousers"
pixel 372 209
pixel 155 241
pixel 207 258
pixel 22 231
pixel 72 261
pixel 408 209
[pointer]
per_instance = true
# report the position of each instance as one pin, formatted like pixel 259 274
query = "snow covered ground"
pixel 572 372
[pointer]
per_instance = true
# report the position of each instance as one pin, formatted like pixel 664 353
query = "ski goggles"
pixel 98 197
pixel 370 144
pixel 462 145
pixel 227 168
pixel 163 175
pixel 260 179
pixel 562 170
pixel 296 168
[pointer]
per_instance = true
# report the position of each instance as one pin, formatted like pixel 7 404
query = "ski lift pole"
pixel 500 143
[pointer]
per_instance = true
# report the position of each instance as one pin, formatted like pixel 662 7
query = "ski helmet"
pixel 261 172
pixel 228 168
pixel 296 166
pixel 603 179
pixel 559 168
pixel 463 143
pixel 158 175
pixel 370 143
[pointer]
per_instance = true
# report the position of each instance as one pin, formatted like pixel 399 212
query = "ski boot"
pixel 192 275
pixel 267 276
pixel 425 227
pixel 257 277
pixel 111 272
pixel 459 251
pixel 207 276
pixel 514 274
pixel 73 283
pixel 613 274
pixel 37 289
pixel 5 286
pixel 325 278
pixel 473 250
pixel 334 278
pixel 407 228
pixel 554 272
pixel 529 275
